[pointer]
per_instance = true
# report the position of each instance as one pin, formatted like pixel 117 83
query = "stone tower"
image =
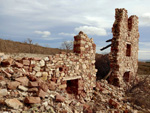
pixel 124 48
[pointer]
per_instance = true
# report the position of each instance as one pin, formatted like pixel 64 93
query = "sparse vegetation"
pixel 8 46
pixel 144 68
pixel 67 45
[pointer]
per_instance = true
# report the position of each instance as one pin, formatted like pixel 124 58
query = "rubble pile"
pixel 29 93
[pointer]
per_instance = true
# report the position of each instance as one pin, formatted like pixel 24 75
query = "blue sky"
pixel 51 22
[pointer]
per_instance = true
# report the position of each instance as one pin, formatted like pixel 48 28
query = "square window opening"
pixel 126 76
pixel 128 50
pixel 72 86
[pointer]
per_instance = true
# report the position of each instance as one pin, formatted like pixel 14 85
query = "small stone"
pixel 7 62
pixel 32 63
pixel 113 103
pixel 105 91
pixel 19 65
pixel 37 68
pixel 3 92
pixel 46 59
pixel 22 88
pixel 7 74
pixel 32 100
pixel 63 86
pixel 41 93
pixel 43 86
pixel 36 58
pixel 13 103
pixel 59 98
pixel 23 80
pixel 87 109
pixel 84 66
pixel 13 85
pixel 26 62
pixel 3 83
pixel 32 77
pixel 44 76
pixel 42 63
pixel 38 74
pixel 33 90
pixel 33 84
pixel 45 104
pixel 1 78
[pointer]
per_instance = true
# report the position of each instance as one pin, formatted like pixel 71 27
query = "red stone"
pixel 59 98
pixel 54 79
pixel 23 80
pixel 32 100
pixel 17 64
pixel 33 84
pixel 26 62
pixel 26 68
pixel 36 58
pixel 43 86
pixel 41 93
pixel 87 109
pixel 32 77
pixel 7 62
pixel 13 85
pixel 113 103
pixel 33 90
pixel 52 85
pixel 98 85
pixel 1 78
pixel 7 74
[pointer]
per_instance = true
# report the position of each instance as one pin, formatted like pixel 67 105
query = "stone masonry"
pixel 74 73
pixel 124 48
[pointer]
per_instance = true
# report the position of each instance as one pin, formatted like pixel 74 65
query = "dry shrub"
pixel 102 65
pixel 139 92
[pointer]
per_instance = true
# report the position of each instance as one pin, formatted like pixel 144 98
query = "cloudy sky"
pixel 51 22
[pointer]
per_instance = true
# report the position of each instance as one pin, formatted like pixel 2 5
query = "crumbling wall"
pixel 72 72
pixel 124 48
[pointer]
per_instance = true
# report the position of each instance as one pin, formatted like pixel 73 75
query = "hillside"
pixel 8 46
pixel 144 68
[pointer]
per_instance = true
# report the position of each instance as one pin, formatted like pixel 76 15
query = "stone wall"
pixel 74 73
pixel 124 48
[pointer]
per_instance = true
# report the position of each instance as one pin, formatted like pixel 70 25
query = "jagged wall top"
pixel 123 23
pixel 84 45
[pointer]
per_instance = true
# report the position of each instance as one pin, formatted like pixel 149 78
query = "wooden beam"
pixel 109 40
pixel 108 74
pixel 105 47
pixel 71 78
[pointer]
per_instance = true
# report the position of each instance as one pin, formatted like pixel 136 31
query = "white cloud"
pixel 43 33
pixel 141 51
pixel 144 54
pixel 144 44
pixel 92 30
pixel 67 34
pixel 145 19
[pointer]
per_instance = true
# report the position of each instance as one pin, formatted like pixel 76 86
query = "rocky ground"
pixel 21 92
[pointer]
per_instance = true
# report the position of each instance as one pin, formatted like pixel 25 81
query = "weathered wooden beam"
pixel 109 40
pixel 71 78
pixel 105 47
pixel 108 74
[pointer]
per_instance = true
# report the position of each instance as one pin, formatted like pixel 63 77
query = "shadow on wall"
pixel 102 65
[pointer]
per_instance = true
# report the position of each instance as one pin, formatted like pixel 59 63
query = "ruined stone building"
pixel 124 48
pixel 74 72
